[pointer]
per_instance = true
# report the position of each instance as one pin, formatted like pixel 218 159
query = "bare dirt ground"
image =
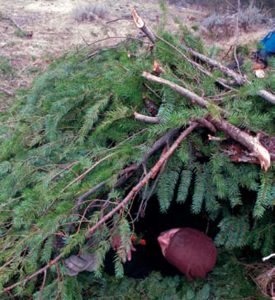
pixel 51 29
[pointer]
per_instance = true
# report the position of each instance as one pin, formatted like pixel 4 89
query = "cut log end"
pixel 263 156
pixel 137 19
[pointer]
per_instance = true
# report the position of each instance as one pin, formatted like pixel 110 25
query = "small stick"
pixel 6 91
pixel 268 257
pixel 146 119
pixel 43 285
pixel 81 176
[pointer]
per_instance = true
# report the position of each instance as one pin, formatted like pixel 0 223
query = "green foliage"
pixel 228 281
pixel 234 232
pixel 199 190
pixel 75 129
pixel 266 195
pixel 185 181
pixel 167 184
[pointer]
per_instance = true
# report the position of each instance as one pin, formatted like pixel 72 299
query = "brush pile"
pixel 103 128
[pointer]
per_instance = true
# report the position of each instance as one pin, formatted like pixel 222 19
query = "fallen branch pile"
pixel 118 137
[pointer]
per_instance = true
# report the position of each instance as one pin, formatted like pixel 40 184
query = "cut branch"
pixel 177 88
pixel 239 79
pixel 142 26
pixel 242 137
pixel 250 142
pixel 150 175
pixel 146 119
pixel 267 96
pixel 268 257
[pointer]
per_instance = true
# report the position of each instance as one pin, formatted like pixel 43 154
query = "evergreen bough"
pixel 75 129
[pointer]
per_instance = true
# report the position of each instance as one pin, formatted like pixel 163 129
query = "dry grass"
pixel 263 275
pixel 220 26
pixel 89 12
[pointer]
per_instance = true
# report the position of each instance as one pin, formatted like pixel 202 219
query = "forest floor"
pixel 35 32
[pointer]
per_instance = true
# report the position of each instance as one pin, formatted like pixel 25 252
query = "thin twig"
pixel 237 37
pixel 151 175
pixel 6 91
pixel 40 271
pixel 65 168
pixel 81 176
pixel 125 18
pixel 43 285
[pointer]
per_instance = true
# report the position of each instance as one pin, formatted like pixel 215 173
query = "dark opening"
pixel 149 258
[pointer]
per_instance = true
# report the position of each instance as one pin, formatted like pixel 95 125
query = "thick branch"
pixel 150 175
pixel 267 96
pixel 242 137
pixel 250 142
pixel 142 26
pixel 239 79
pixel 177 88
